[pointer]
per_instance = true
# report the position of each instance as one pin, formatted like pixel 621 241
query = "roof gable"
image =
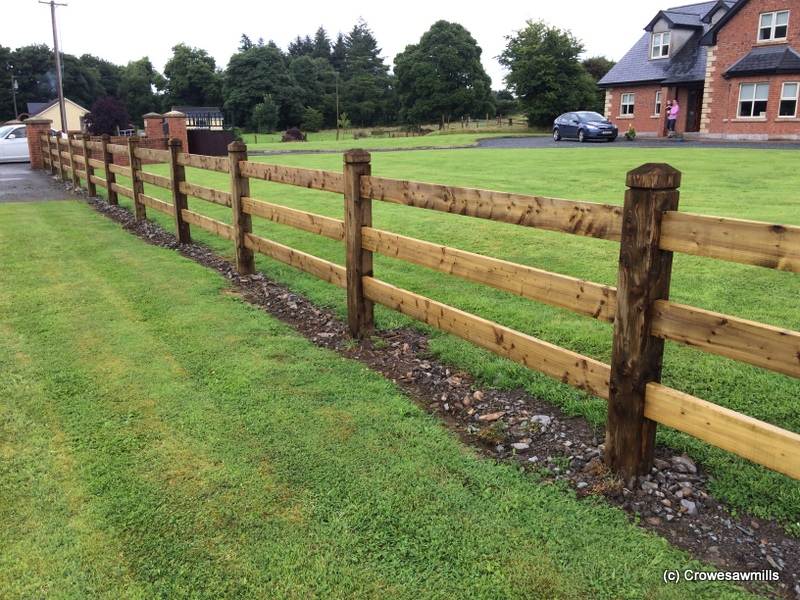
pixel 710 38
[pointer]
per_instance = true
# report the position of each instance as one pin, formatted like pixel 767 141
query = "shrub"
pixel 293 135
pixel 265 114
pixel 106 115
pixel 312 119
pixel 630 135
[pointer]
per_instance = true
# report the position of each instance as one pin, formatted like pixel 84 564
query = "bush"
pixel 106 115
pixel 312 119
pixel 293 135
pixel 265 114
pixel 630 135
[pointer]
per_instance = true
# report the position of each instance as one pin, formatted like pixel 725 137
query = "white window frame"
pixel 773 26
pixel 657 43
pixel 623 110
pixel 659 105
pixel 785 98
pixel 752 99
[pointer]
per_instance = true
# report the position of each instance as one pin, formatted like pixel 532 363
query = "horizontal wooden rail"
pixel 760 442
pixel 117 148
pixel 54 152
pixel 79 158
pixel 747 341
pixel 158 205
pixel 76 143
pixel 121 189
pixel 97 164
pixel 584 297
pixel 749 242
pixel 329 181
pixel 79 173
pixel 153 179
pixel 318 224
pixel 205 193
pixel 589 219
pixel 569 367
pixel 119 170
pixel 61 141
pixel 65 154
pixel 217 227
pixel 152 154
pixel 99 181
pixel 94 145
pixel 209 163
pixel 323 269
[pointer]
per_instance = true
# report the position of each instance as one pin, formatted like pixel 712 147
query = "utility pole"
pixel 14 89
pixel 59 82
pixel 337 106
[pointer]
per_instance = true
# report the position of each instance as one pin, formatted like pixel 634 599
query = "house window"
pixel 789 93
pixel 660 45
pixel 753 99
pixel 773 26
pixel 626 106
pixel 657 109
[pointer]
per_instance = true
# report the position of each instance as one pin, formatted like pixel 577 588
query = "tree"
pixel 81 82
pixel 322 44
pixel 106 115
pixel 504 102
pixel 35 74
pixel 545 73
pixel 366 90
pixel 312 119
pixel 339 54
pixel 245 43
pixel 258 71
pixel 192 78
pixel 108 73
pixel 316 80
pixel 139 86
pixel 6 99
pixel 301 46
pixel 265 114
pixel 442 76
pixel 597 67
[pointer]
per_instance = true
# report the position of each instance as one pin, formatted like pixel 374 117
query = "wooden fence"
pixel 648 228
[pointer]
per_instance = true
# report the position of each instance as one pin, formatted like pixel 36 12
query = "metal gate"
pixel 211 142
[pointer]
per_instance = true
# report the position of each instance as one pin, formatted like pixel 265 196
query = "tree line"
pixel 318 80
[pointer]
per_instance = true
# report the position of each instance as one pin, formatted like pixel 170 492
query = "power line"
pixel 59 83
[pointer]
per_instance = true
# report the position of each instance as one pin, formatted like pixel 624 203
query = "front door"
pixel 694 109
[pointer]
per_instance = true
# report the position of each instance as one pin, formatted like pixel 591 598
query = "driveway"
pixel 547 142
pixel 19 184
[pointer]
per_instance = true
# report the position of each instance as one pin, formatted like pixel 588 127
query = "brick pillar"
pixel 154 126
pixel 36 129
pixel 176 124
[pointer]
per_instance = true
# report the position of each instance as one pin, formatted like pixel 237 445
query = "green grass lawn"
pixel 326 140
pixel 160 438
pixel 716 182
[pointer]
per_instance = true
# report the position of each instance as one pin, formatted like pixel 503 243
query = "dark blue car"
pixel 584 125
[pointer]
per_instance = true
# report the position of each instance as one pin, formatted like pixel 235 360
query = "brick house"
pixel 733 65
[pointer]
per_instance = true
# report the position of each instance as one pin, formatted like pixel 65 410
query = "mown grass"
pixel 716 182
pixel 161 438
pixel 326 140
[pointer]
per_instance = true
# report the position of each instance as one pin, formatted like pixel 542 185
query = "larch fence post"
pixel 644 277
pixel 87 155
pixel 59 146
pixel 177 175
pixel 357 214
pixel 137 185
pixel 53 168
pixel 111 178
pixel 76 181
pixel 242 222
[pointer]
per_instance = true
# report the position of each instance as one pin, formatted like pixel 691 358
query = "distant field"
pixel 160 438
pixel 716 182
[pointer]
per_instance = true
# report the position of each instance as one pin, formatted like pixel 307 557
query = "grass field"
pixel 162 439
pixel 326 140
pixel 717 182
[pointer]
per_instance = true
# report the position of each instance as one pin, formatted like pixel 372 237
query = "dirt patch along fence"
pixel 648 227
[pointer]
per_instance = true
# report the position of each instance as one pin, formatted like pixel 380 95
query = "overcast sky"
pixel 126 30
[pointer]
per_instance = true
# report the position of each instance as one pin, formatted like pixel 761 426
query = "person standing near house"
pixel 672 117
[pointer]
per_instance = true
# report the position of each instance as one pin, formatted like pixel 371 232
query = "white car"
pixel 14 144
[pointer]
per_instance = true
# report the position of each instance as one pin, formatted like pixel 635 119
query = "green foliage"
pixel 312 119
pixel 545 72
pixel 138 84
pixel 192 78
pixel 597 67
pixel 322 45
pixel 316 82
pixel 35 74
pixel 442 78
pixel 265 115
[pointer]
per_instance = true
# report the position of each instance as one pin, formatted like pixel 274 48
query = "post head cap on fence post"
pixel 654 176
pixel 174 142
pixel 356 156
pixel 105 137
pixel 134 139
pixel 237 146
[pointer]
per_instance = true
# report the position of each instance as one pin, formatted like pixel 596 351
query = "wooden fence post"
pixel 137 185
pixel 357 214
pixel 91 188
pixel 50 152
pixel 76 181
pixel 644 277
pixel 179 201
pixel 61 171
pixel 242 222
pixel 111 178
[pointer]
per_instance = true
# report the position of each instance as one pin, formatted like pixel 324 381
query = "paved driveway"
pixel 547 142
pixel 19 184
